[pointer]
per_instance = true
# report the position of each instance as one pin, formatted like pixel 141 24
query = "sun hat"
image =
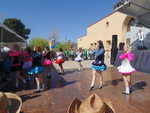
pixel 10 103
pixel 93 104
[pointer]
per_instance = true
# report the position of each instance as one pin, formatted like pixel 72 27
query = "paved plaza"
pixel 76 84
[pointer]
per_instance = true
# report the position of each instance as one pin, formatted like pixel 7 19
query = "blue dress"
pixel 37 65
pixel 36 70
pixel 98 64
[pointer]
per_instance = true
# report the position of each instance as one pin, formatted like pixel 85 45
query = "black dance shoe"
pixel 59 73
pixel 91 88
pixel 63 73
pixel 100 87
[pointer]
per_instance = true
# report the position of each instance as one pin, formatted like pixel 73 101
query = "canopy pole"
pixel 1 38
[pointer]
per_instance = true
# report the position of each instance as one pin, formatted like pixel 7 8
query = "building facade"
pixel 114 24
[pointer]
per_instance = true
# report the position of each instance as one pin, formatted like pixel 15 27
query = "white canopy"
pixel 139 9
pixel 7 35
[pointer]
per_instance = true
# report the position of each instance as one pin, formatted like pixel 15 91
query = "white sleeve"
pixel 137 34
pixel 143 36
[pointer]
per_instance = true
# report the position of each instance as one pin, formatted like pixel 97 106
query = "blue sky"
pixel 69 18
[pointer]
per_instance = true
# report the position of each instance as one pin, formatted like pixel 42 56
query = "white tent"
pixel 139 9
pixel 9 36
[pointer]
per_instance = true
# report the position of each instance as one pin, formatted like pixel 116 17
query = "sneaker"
pixel 124 92
pixel 37 91
pixel 42 89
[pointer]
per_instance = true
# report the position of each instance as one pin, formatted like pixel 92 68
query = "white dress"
pixel 79 58
pixel 125 67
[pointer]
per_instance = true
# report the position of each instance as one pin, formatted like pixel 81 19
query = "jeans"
pixel 141 44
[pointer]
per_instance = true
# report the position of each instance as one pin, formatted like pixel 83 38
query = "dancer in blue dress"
pixel 98 65
pixel 38 69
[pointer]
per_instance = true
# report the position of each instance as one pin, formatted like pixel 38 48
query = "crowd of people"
pixel 24 65
pixel 87 54
pixel 28 64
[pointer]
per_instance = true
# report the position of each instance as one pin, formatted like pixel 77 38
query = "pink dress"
pixel 125 67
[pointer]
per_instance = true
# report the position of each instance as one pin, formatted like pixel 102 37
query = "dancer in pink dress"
pixel 126 69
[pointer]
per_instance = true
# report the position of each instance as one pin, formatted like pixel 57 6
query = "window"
pixel 108 42
pixel 107 24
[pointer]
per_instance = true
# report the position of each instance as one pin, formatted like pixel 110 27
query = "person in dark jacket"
pixel 98 65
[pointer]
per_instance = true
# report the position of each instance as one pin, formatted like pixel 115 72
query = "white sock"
pixel 42 86
pixel 92 84
pixel 38 86
pixel 127 90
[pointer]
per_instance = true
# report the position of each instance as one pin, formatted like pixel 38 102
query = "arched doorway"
pixel 126 27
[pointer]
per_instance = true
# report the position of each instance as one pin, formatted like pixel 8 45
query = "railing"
pixel 119 3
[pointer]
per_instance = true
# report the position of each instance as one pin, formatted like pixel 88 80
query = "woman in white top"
pixel 79 58
pixel 60 60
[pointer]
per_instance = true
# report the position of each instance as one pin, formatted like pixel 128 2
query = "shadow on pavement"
pixel 70 71
pixel 27 97
pixel 139 86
